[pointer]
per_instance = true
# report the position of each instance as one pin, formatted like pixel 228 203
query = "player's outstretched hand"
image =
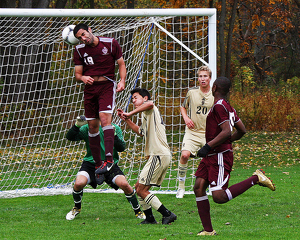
pixel 80 121
pixel 120 113
pixel 204 151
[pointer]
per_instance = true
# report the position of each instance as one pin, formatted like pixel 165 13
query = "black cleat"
pixel 146 222
pixel 105 167
pixel 100 179
pixel 167 220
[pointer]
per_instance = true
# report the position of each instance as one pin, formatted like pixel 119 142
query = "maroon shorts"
pixel 216 169
pixel 99 97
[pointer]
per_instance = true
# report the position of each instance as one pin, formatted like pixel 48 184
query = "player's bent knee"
pixel 220 197
pixel 81 180
pixel 79 186
pixel 122 183
pixel 199 192
pixel 125 187
pixel 219 201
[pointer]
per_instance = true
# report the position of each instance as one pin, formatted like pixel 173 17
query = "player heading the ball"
pixel 94 61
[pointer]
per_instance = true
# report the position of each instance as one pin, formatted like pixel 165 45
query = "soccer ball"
pixel 68 35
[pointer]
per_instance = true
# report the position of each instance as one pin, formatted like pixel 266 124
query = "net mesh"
pixel 40 98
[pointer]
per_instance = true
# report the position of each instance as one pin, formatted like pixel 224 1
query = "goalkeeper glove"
pixel 80 121
pixel 204 151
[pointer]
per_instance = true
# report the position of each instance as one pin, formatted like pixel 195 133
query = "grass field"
pixel 257 214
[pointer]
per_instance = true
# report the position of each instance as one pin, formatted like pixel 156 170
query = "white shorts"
pixel 192 142
pixel 155 170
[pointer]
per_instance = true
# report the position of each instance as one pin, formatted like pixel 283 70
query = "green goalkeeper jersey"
pixel 77 134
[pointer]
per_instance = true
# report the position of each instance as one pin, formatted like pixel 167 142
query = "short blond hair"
pixel 205 68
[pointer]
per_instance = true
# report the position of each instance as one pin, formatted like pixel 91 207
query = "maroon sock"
pixel 109 135
pixel 241 187
pixel 94 140
pixel 204 212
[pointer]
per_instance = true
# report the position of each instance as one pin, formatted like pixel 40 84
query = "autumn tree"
pixel 266 38
pixel 260 35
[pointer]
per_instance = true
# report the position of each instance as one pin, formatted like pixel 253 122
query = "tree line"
pixel 256 38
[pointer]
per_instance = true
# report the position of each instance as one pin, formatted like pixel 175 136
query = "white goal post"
pixel 39 98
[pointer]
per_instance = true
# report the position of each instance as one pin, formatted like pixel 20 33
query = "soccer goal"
pixel 163 48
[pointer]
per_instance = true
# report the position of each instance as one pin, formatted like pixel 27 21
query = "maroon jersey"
pixel 99 60
pixel 218 114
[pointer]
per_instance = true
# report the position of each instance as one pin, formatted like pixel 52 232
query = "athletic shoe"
pixel 205 233
pixel 100 179
pixel 180 193
pixel 146 222
pixel 263 180
pixel 167 220
pixel 73 213
pixel 105 167
pixel 140 215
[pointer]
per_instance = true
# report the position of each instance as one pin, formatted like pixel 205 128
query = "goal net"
pixel 40 98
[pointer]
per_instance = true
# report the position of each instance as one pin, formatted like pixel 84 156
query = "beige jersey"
pixel 198 105
pixel 153 129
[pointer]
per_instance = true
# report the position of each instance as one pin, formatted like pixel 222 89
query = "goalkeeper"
pixel 86 175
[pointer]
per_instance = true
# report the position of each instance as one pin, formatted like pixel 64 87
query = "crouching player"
pixel 114 178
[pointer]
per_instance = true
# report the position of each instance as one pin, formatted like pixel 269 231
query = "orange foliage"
pixel 267 110
pixel 256 21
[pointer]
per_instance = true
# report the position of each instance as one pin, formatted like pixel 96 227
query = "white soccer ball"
pixel 68 35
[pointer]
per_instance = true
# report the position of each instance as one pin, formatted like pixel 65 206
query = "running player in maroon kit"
pixel 94 61
pixel 215 167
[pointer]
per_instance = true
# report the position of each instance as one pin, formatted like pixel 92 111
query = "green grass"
pixel 257 214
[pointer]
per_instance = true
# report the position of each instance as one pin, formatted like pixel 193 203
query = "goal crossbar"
pixel 210 12
pixel 33 12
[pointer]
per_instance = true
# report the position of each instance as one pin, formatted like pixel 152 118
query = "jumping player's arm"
pixel 80 77
pixel 122 72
